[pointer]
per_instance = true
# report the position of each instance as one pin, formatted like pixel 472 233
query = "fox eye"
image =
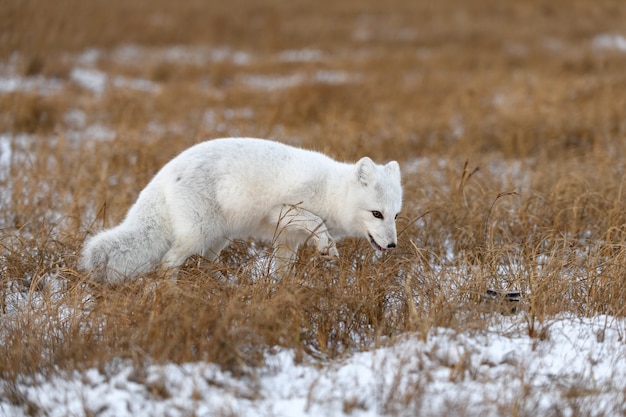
pixel 377 214
pixel 396 216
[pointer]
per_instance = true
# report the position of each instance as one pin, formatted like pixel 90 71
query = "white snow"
pixel 578 367
pixel 133 55
pixel 13 151
pixel 99 132
pixel 5 151
pixel 275 82
pixel 89 57
pixel 75 119
pixel 335 77
pixel 137 84
pixel 300 55
pixel 90 79
pixel 38 84
pixel 272 82
pixel 609 41
pixel 96 81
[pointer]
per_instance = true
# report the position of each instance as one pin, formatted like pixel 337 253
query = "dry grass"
pixel 509 127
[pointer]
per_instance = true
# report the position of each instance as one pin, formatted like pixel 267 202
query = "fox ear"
pixel 393 169
pixel 365 170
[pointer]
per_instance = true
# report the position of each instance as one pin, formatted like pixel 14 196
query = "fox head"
pixel 378 197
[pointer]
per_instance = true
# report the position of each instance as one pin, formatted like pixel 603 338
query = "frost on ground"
pixel 578 367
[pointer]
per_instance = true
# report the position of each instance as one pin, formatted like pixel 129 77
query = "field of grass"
pixel 507 118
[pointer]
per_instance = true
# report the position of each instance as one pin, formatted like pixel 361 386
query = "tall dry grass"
pixel 508 125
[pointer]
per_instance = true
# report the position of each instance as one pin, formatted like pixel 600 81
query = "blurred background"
pixel 402 79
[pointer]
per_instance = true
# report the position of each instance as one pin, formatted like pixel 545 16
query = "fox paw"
pixel 328 248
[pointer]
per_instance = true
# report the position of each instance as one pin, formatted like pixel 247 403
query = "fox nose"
pixel 391 245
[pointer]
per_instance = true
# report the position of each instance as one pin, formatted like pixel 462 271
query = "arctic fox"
pixel 235 188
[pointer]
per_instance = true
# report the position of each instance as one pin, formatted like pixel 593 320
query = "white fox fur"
pixel 236 188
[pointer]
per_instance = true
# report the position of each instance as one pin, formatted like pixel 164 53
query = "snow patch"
pixel 272 82
pixel 38 84
pixel 90 79
pixel 89 57
pixel 580 367
pixel 97 81
pixel 5 152
pixel 609 41
pixel 275 82
pixel 178 54
pixel 75 119
pixel 137 84
pixel 300 55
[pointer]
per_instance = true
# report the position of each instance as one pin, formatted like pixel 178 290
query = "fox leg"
pixel 175 257
pixel 284 256
pixel 184 248
pixel 213 251
pixel 296 225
